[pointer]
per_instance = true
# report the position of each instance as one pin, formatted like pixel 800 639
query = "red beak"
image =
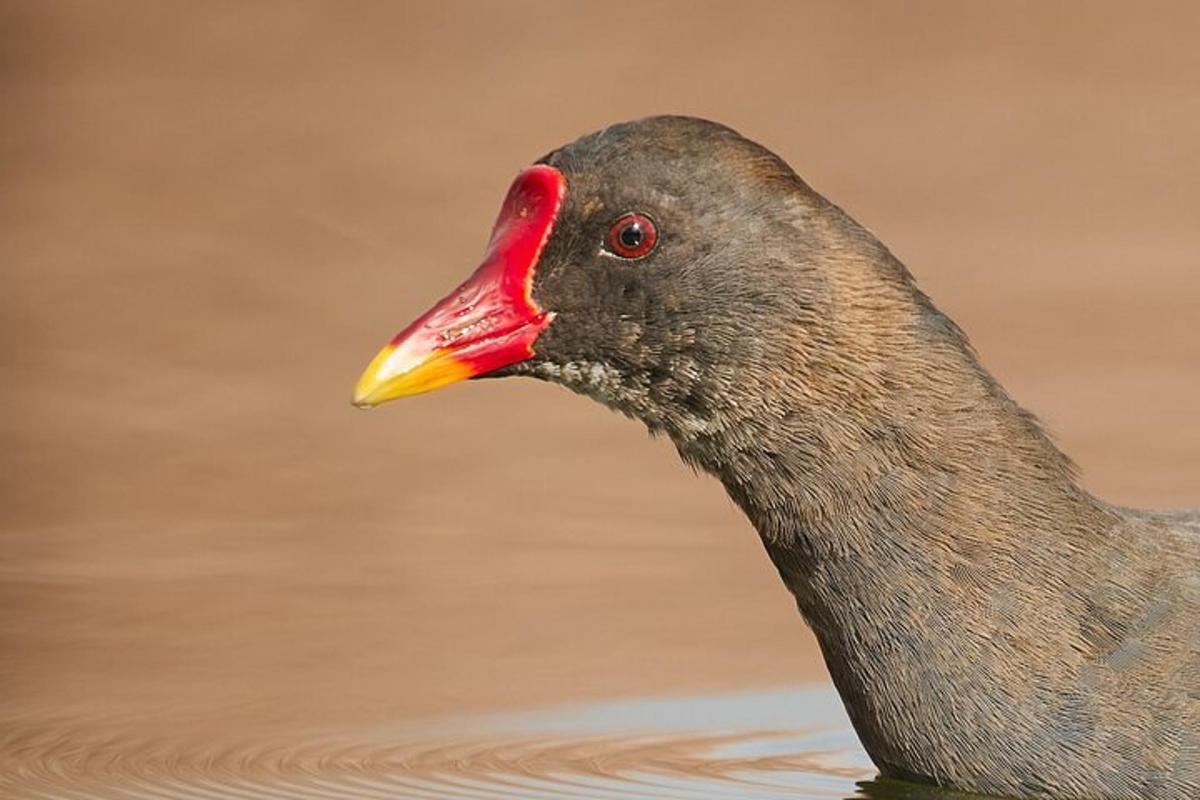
pixel 488 322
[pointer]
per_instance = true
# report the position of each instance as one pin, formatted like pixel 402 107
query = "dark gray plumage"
pixel 989 624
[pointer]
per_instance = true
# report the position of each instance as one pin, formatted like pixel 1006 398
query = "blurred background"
pixel 214 214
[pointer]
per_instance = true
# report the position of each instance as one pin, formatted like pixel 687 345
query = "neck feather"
pixel 921 519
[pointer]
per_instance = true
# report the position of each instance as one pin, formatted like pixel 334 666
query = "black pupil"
pixel 631 235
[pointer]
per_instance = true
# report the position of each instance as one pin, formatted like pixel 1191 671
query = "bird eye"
pixel 632 236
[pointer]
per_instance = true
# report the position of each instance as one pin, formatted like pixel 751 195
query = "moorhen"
pixel 989 624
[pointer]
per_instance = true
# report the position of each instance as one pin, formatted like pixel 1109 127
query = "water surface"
pixel 794 744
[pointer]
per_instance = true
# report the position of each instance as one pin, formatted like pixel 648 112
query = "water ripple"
pixel 711 748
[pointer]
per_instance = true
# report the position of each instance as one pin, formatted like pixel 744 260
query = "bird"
pixel 989 624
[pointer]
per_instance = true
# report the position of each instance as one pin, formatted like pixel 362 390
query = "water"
pixel 794 744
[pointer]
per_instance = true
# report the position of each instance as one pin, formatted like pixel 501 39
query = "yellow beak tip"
pixel 367 389
pixel 381 381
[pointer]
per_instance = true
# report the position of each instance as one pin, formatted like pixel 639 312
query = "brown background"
pixel 213 215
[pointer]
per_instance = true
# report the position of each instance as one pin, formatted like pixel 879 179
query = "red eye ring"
pixel 632 236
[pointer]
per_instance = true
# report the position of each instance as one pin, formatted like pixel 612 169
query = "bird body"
pixel 989 624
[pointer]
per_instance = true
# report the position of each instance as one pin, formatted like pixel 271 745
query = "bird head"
pixel 655 265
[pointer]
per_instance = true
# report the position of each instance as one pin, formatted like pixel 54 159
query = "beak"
pixel 491 320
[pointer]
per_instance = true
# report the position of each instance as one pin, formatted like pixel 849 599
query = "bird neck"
pixel 905 452
pixel 921 519
pixel 943 468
